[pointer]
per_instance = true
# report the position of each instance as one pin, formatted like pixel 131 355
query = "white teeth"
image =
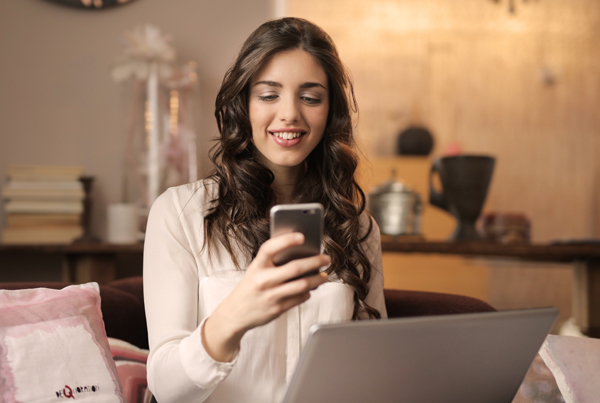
pixel 287 135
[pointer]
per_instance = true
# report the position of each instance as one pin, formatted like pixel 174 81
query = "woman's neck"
pixel 284 183
pixel 285 179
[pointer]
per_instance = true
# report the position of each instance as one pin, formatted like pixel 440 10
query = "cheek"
pixel 316 115
pixel 261 116
pixel 256 120
pixel 319 119
pixel 252 113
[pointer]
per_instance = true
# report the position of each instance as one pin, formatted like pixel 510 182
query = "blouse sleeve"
pixel 179 368
pixel 372 249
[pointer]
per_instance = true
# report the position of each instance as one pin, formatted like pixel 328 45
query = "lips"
pixel 288 138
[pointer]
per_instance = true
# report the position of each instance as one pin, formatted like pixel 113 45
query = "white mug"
pixel 123 223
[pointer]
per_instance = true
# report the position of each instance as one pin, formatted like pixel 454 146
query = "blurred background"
pixel 516 79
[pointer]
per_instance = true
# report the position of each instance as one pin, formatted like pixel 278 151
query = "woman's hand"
pixel 263 294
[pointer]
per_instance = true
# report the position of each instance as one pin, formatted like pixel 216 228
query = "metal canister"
pixel 396 208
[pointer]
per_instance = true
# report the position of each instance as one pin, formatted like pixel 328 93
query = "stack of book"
pixel 43 204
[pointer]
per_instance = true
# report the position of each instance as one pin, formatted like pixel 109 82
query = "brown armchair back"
pixel 403 303
pixel 124 316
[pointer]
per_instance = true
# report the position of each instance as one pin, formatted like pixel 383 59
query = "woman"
pixel 224 324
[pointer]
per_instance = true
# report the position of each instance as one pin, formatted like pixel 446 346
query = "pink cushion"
pixel 131 366
pixel 54 346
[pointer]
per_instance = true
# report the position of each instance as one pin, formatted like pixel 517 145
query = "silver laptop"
pixel 479 357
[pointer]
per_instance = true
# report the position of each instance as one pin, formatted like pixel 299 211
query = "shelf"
pixel 537 252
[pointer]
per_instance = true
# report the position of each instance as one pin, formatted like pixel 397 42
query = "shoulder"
pixel 199 194
pixel 188 198
pixel 369 232
pixel 368 226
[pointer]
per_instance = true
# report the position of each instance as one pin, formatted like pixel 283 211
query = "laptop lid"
pixel 479 357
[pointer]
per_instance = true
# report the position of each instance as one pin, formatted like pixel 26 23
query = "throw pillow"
pixel 575 363
pixel 539 385
pixel 53 347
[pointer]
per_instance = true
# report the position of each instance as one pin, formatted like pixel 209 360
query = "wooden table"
pixel 82 262
pixel 97 262
pixel 585 257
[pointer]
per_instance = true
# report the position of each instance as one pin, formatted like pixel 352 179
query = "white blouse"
pixel 183 286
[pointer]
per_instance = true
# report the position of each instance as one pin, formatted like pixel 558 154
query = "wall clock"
pixel 92 4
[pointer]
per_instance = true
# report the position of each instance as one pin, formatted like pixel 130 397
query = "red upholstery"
pixel 402 303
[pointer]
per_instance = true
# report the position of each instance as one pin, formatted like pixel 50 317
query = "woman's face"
pixel 288 106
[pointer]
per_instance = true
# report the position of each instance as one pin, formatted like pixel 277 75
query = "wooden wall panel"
pixel 524 87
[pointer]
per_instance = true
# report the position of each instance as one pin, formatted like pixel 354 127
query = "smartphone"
pixel 306 218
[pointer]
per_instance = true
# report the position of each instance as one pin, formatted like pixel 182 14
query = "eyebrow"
pixel 303 85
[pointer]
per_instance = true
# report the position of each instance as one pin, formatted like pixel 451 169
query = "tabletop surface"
pixel 559 252
pixel 552 252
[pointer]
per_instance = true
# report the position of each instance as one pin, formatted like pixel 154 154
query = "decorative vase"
pixel 465 180
pixel 160 141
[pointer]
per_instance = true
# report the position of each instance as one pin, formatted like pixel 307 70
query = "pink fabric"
pixel 47 318
pixel 131 366
pixel 122 350
pixel 539 385
pixel 575 363
pixel 133 379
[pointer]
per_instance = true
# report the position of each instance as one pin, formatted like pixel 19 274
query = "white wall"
pixel 58 104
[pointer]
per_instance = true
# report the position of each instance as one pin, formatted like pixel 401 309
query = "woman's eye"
pixel 310 100
pixel 267 97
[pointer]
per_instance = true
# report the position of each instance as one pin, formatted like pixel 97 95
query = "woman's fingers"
pixel 275 245
pixel 267 291
pixel 300 267
pixel 291 302
pixel 296 288
pixel 291 270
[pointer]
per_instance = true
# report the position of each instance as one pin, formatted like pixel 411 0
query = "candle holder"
pixel 86 217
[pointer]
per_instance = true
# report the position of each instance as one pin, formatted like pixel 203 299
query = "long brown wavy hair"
pixel 239 216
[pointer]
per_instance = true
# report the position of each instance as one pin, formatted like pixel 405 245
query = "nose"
pixel 288 110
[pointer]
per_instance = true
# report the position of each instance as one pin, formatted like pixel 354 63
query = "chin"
pixel 289 164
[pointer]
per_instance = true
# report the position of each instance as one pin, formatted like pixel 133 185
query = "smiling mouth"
pixel 287 135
